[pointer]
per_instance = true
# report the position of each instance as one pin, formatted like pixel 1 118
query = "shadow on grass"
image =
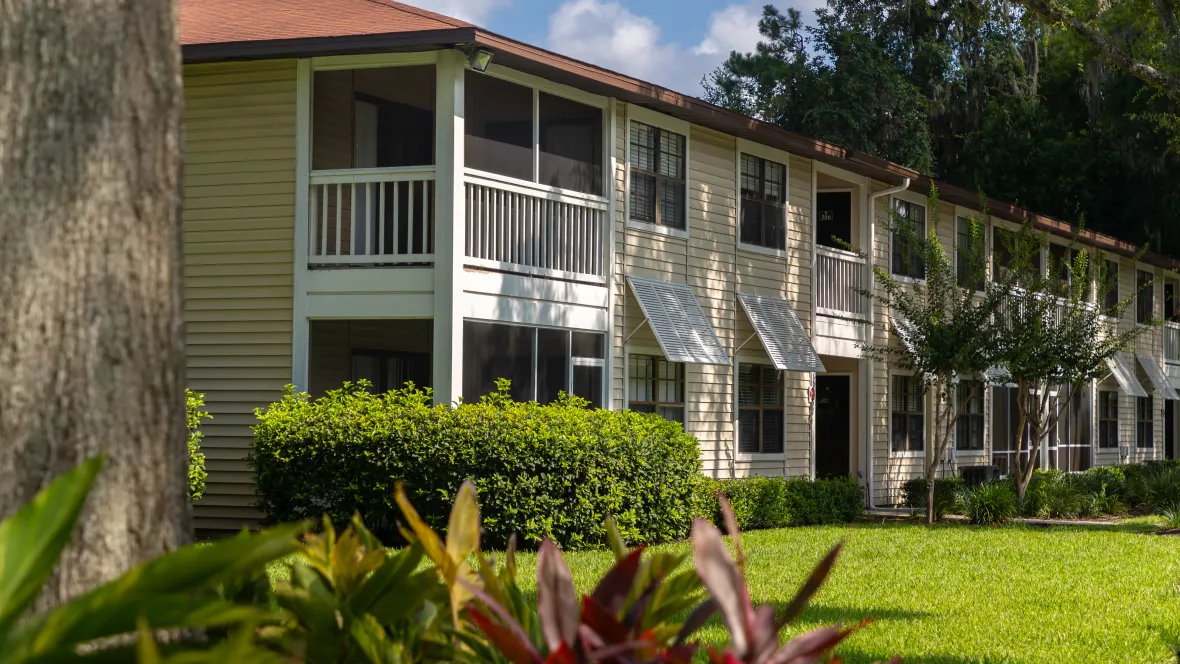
pixel 1122 527
pixel 854 656
pixel 826 615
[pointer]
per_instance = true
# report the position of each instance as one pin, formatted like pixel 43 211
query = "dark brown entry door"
pixel 833 425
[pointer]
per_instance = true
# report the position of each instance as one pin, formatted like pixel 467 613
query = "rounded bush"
pixel 990 504
pixel 550 471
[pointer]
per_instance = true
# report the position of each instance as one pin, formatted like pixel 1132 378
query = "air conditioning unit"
pixel 973 475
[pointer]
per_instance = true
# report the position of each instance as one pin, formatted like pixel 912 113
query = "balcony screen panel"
pixel 680 326
pixel 552 364
pixel 571 145
pixel 1124 373
pixel 492 351
pixel 1155 374
pixel 833 226
pixel 783 337
pixel 499 126
pixel 588 384
pixel 396 107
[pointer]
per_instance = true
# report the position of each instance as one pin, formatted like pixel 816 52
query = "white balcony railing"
pixel 377 216
pixel 840 276
pixel 522 227
pixel 1172 342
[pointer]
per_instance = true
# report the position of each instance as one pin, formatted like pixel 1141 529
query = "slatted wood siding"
pixel 710 263
pixel 238 223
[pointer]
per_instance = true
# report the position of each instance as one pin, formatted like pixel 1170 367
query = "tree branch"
pixel 1055 13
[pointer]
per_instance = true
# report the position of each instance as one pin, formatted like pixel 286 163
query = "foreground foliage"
pixel 551 471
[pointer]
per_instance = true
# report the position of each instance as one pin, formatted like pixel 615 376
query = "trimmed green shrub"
pixel 1108 480
pixel 777 502
pixel 946 494
pixel 989 504
pixel 1156 486
pixel 542 471
pixel 194 404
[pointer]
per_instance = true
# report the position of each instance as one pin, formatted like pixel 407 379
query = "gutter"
pixel 905 184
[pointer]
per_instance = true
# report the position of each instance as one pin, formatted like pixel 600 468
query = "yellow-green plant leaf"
pixel 463 525
pixel 423 533
pixel 32 539
pixel 146 651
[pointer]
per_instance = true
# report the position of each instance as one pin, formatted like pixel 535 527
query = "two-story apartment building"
pixel 376 191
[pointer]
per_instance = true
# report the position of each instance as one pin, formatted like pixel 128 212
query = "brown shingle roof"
pixel 222 21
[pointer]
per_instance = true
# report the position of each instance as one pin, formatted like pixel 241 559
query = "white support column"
pixel 300 326
pixel 450 215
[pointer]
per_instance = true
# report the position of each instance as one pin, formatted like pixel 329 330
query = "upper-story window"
pixel 967 250
pixel 833 219
pixel 555 141
pixel 907 255
pixel 764 202
pixel 1111 299
pixel 1145 299
pixel 373 118
pixel 657 160
pixel 1003 244
pixel 1059 260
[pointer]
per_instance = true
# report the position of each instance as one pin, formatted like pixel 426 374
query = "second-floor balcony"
pixel 841 278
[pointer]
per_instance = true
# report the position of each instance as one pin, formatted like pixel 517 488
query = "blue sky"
pixel 670 42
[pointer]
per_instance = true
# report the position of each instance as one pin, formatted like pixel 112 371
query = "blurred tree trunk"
pixel 91 328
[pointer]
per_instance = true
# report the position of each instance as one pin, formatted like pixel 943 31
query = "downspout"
pixel 872 212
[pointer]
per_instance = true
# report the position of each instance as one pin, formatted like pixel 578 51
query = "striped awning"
pixel 680 326
pixel 783 337
pixel 1155 374
pixel 1124 372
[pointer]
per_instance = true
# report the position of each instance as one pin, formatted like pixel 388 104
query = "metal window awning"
pixel 1155 374
pixel 905 332
pixel 998 376
pixel 783 337
pixel 680 326
pixel 1124 373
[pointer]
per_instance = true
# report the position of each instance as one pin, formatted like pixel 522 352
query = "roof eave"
pixel 319 46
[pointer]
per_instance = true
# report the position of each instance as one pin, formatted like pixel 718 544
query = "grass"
pixel 956 594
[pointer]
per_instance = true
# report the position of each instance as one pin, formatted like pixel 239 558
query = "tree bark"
pixel 91 328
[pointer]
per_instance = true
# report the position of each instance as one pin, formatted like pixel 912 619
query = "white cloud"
pixel 472 11
pixel 734 28
pixel 605 33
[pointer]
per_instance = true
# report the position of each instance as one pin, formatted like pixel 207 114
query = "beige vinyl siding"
pixel 238 225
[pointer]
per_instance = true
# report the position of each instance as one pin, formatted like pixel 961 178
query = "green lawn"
pixel 956 594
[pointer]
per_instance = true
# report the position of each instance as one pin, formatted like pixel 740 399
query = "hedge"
pixel 777 502
pixel 555 470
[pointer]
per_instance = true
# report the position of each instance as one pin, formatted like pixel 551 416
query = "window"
pixel 390 370
pixel 1144 423
pixel 1059 261
pixel 764 198
pixel 967 252
pixel 571 145
pixel 655 385
pixel 760 409
pixel 969 426
pixel 1108 419
pixel 908 419
pixel 1145 298
pixel 500 123
pixel 1069 445
pixel 1007 438
pixel 1170 309
pixel 907 253
pixel 833 219
pixel 540 362
pixel 657 176
pixel 1111 299
pixel 1003 247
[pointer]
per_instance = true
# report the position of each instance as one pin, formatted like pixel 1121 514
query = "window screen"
pixel 1069 445
pixel 760 409
pixel 908 414
pixel 571 145
pixel 1007 440
pixel 655 385
pixel 657 176
pixel 492 351
pixel 498 126
pixel 907 254
pixel 764 202
pixel 969 271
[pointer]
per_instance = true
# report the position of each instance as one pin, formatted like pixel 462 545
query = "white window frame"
pixel 912 199
pixel 682 127
pixel 655 351
pixel 908 454
pixel 755 456
pixel 968 213
pixel 770 154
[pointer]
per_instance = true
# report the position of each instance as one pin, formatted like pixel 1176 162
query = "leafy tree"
pixel 1054 337
pixel 944 325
